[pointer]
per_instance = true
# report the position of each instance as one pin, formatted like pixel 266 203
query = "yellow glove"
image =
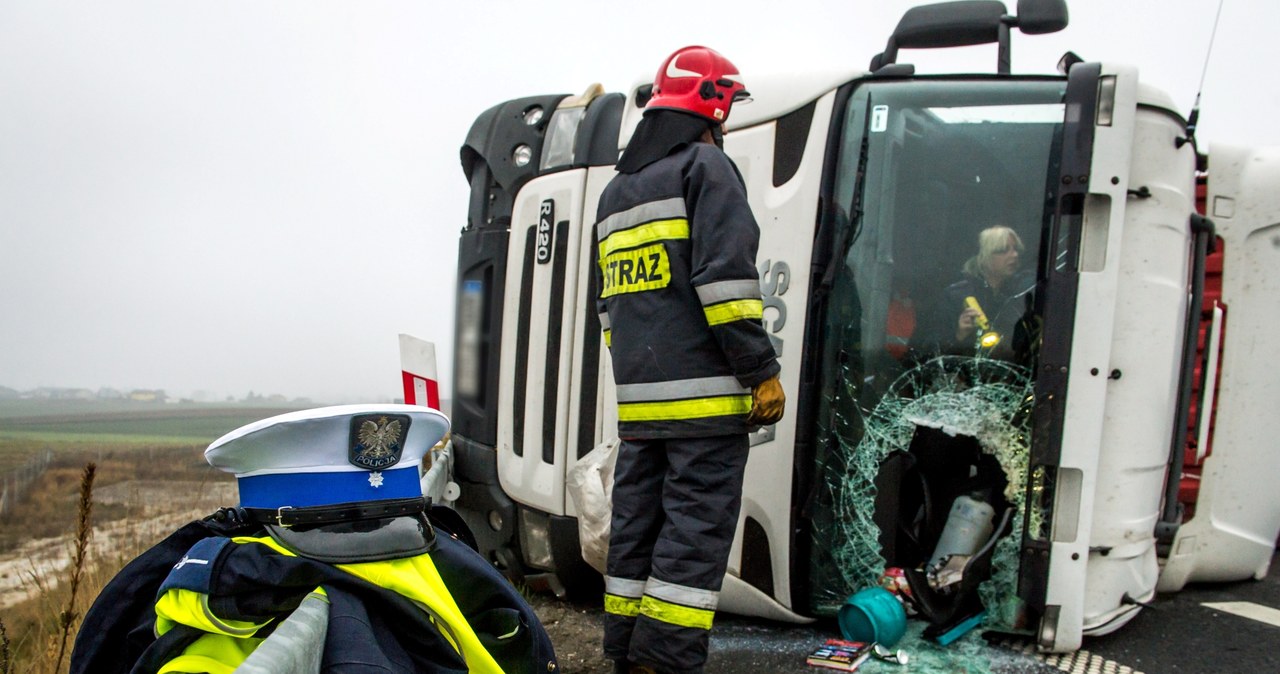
pixel 767 403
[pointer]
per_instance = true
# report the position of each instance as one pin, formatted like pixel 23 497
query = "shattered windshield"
pixel 931 332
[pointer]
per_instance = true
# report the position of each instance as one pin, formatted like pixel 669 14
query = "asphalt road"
pixel 1179 635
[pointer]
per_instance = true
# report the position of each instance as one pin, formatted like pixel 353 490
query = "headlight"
pixel 1106 100
pixel 522 155
pixel 562 135
pixel 533 115
pixel 535 539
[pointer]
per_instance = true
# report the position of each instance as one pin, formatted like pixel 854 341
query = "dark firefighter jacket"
pixel 250 587
pixel 679 296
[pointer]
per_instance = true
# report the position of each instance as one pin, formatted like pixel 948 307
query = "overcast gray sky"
pixel 255 195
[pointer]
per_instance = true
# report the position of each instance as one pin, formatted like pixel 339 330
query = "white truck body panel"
pixel 1233 532
pixel 527 477
pixel 1082 436
pixel 606 393
pixel 786 215
pixel 1147 342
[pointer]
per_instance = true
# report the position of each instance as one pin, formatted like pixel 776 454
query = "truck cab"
pixel 1067 412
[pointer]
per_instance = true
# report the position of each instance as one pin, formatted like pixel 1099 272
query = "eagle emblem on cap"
pixel 377 440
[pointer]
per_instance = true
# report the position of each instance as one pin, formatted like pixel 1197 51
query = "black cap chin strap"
pixel 287 516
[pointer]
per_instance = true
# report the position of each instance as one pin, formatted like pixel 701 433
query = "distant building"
pixel 147 395
pixel 56 393
pixel 7 393
pixel 106 393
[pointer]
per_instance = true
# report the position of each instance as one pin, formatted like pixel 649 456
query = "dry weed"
pixel 136 497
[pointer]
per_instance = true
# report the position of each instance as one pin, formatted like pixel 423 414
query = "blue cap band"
pixel 304 490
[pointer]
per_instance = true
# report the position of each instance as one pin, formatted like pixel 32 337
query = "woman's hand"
pixel 967 324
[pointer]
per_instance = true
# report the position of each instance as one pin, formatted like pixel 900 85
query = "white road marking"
pixel 1250 610
pixel 1077 662
pixel 1084 662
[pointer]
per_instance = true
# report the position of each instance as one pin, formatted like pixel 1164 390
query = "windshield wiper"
pixel 848 227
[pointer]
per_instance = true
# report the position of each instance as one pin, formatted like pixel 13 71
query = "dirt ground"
pixel 575 630
pixel 39 561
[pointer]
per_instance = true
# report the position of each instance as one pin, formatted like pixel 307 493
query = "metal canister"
pixel 968 526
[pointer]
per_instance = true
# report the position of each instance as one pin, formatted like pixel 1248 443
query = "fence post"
pixel 15 482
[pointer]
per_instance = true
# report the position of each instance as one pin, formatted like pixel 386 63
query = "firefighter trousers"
pixel 675 510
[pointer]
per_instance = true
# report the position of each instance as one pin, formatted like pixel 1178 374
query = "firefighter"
pixel 680 305
pixel 329 564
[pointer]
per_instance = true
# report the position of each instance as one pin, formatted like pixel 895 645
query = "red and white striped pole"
pixel 418 372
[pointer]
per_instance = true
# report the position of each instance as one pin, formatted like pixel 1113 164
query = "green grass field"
pixel 90 428
pixel 123 422
pixel 145 443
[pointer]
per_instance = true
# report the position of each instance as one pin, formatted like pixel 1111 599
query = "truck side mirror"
pixel 971 22
pixel 1038 17
pixel 948 24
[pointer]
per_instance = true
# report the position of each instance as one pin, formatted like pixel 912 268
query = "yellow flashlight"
pixel 987 338
pixel 981 319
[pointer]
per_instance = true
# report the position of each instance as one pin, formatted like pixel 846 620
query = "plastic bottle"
pixel 969 525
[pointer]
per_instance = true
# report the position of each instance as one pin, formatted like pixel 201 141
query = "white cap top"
pixel 329 455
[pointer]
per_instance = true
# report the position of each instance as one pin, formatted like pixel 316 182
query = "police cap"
pixel 338 484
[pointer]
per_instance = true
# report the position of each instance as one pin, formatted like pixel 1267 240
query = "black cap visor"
pixel 369 540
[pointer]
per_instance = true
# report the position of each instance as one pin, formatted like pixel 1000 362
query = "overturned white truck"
pixel 1119 418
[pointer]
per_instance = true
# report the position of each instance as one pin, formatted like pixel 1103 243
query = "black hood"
pixel 661 132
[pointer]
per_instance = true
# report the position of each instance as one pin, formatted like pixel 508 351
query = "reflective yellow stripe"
pixel 213 654
pixel 658 230
pixel 623 606
pixel 608 338
pixel 734 311
pixel 189 607
pixel 696 408
pixel 675 614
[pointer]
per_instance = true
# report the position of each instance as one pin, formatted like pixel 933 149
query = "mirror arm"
pixel 1004 62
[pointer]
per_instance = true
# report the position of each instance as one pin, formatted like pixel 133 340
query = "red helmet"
pixel 697 80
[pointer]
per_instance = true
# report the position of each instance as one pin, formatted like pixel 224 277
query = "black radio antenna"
pixel 1195 107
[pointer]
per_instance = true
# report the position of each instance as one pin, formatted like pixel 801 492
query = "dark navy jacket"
pixel 382 630
pixel 678 295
